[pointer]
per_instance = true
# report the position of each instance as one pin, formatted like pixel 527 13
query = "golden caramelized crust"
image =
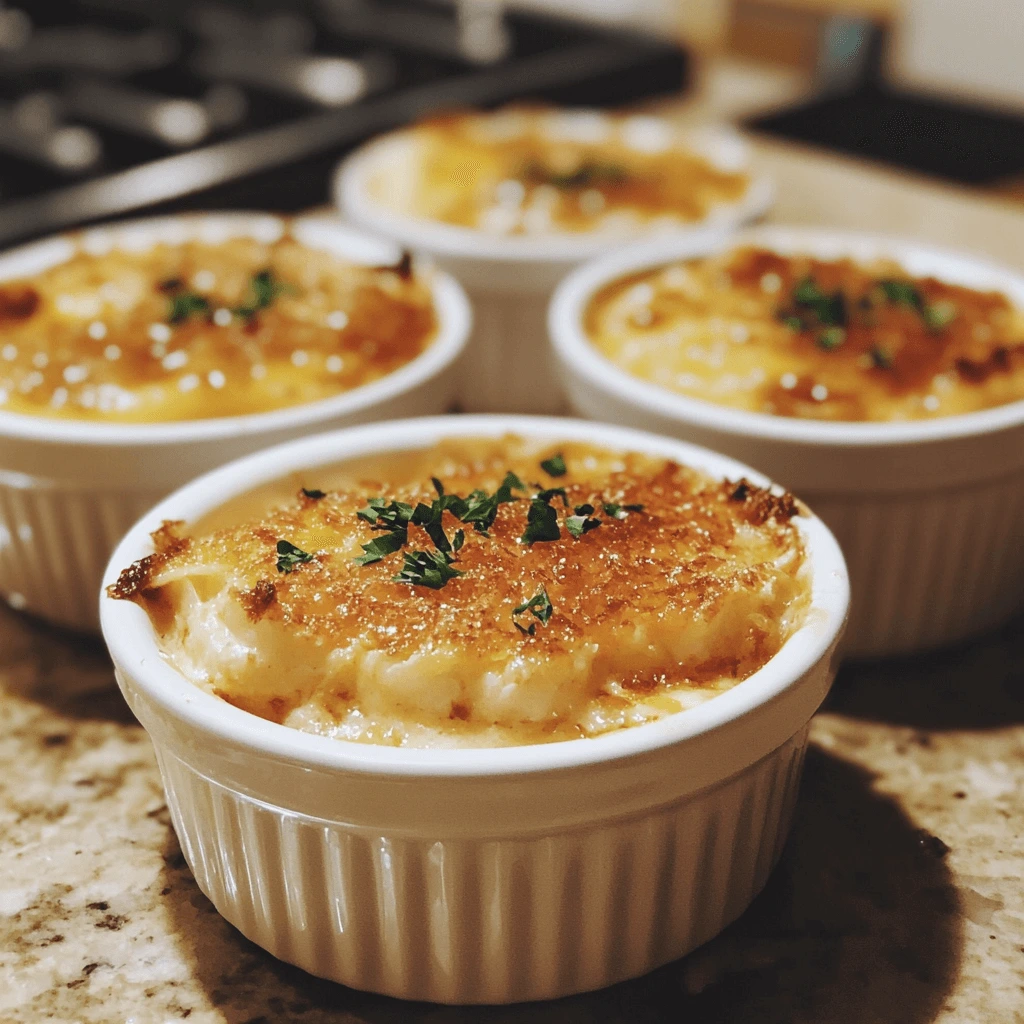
pixel 200 330
pixel 515 172
pixel 657 588
pixel 804 337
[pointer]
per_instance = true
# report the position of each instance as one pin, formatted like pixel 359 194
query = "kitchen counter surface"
pixel 899 899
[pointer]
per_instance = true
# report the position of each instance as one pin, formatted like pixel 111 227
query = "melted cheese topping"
pixel 534 172
pixel 651 611
pixel 197 330
pixel 867 343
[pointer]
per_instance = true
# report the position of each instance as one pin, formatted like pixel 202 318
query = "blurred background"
pixel 111 107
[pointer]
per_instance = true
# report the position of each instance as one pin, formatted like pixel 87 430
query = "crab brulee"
pixel 197 330
pixel 823 339
pixel 525 171
pixel 483 592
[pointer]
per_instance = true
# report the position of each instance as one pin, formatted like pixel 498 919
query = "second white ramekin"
pixel 930 514
pixel 508 366
pixel 479 876
pixel 70 489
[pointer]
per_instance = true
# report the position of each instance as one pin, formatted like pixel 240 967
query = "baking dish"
pixel 929 513
pixel 479 875
pixel 507 365
pixel 69 488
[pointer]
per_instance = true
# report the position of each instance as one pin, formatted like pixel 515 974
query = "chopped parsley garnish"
pixel 264 288
pixel 541 523
pixel 539 606
pixel 881 358
pixel 823 313
pixel 939 315
pixel 431 569
pixel 612 509
pixel 589 174
pixel 313 494
pixel 430 516
pixel 394 517
pixel 381 547
pixel 555 466
pixel 581 523
pixel 381 515
pixel 289 557
pixel 553 492
pixel 184 305
pixel 936 315
pixel 902 293
pixel 482 508
pixel 831 337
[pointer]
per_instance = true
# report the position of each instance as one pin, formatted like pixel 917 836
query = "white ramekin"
pixel 69 489
pixel 507 366
pixel 479 876
pixel 930 514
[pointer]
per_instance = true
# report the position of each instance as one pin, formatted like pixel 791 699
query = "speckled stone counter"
pixel 899 898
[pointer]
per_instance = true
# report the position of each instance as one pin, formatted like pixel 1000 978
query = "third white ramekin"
pixel 479 876
pixel 507 366
pixel 930 514
pixel 69 489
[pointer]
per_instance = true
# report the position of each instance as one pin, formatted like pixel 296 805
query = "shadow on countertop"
pixel 975 685
pixel 859 923
pixel 70 673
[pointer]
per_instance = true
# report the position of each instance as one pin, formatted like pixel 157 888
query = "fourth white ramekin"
pixel 930 514
pixel 69 489
pixel 479 876
pixel 507 366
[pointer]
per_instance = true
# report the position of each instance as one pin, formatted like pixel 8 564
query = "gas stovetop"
pixel 110 107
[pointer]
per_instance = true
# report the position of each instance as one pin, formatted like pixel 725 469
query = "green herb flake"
pixel 539 606
pixel 831 338
pixel 431 569
pixel 264 288
pixel 589 174
pixel 939 315
pixel 394 515
pixel 313 494
pixel 541 523
pixel 580 524
pixel 289 557
pixel 553 492
pixel 814 307
pixel 555 466
pixel 481 508
pixel 619 511
pixel 881 358
pixel 184 305
pixel 382 546
pixel 902 293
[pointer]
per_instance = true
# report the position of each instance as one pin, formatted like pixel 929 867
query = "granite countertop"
pixel 899 898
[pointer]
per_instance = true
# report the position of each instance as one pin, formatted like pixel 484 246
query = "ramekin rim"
pixel 133 647
pixel 452 241
pixel 579 356
pixel 450 303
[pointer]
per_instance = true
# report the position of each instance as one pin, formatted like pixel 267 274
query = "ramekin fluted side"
pixel 508 365
pixel 928 568
pixel 55 541
pixel 489 919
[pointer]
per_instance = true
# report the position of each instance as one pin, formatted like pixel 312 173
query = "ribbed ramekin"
pixel 479 876
pixel 507 366
pixel 70 489
pixel 930 514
